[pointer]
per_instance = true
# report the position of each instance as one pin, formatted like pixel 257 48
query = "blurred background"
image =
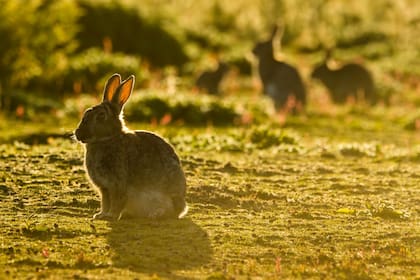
pixel 56 55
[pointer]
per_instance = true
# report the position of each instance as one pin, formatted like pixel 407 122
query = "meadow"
pixel 331 193
pixel 326 196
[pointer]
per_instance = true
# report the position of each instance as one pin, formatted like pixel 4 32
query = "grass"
pixel 325 197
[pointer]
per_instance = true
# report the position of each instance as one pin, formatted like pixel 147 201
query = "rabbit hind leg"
pixel 105 204
pixel 149 204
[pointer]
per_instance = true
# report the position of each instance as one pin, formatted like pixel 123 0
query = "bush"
pixel 264 137
pixel 412 122
pixel 24 104
pixel 89 70
pixel 187 109
pixel 124 30
pixel 37 37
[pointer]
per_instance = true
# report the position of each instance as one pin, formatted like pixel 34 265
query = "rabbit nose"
pixel 79 134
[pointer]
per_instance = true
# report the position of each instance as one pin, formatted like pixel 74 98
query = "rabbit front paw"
pixel 102 216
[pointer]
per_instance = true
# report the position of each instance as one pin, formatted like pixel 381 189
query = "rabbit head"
pixel 223 67
pixel 322 71
pixel 105 120
pixel 265 48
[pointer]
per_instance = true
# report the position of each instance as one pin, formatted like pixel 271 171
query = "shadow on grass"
pixel 39 138
pixel 159 247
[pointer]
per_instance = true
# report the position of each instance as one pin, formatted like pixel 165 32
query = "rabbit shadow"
pixel 159 247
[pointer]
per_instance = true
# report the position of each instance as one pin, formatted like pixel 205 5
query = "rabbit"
pixel 280 80
pixel 349 81
pixel 209 81
pixel 137 173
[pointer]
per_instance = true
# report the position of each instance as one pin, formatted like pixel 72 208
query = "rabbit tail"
pixel 155 205
pixel 180 206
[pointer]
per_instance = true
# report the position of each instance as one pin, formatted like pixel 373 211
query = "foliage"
pixel 122 28
pixel 90 68
pixel 358 150
pixel 45 55
pixel 26 105
pixel 188 109
pixel 412 121
pixel 37 38
pixel 268 137
pixel 265 203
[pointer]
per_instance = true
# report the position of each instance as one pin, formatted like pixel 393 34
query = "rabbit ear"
pixel 274 32
pixel 328 53
pixel 278 30
pixel 276 37
pixel 123 92
pixel 111 87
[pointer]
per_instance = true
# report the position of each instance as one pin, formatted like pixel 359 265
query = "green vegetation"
pixel 332 193
pixel 50 51
pixel 314 199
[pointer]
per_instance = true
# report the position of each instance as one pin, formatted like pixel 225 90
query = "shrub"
pixel 37 37
pixel 24 104
pixel 264 137
pixel 412 122
pixel 359 150
pixel 88 70
pixel 187 109
pixel 128 32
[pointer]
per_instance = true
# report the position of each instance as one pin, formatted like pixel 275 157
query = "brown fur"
pixel 137 173
pixel 281 81
pixel 350 81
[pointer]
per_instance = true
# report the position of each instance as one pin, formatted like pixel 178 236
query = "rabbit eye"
pixel 101 116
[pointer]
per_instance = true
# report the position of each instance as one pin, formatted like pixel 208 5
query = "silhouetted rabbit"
pixel 137 173
pixel 209 81
pixel 280 80
pixel 349 81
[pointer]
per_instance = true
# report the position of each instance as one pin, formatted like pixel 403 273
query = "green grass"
pixel 325 197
